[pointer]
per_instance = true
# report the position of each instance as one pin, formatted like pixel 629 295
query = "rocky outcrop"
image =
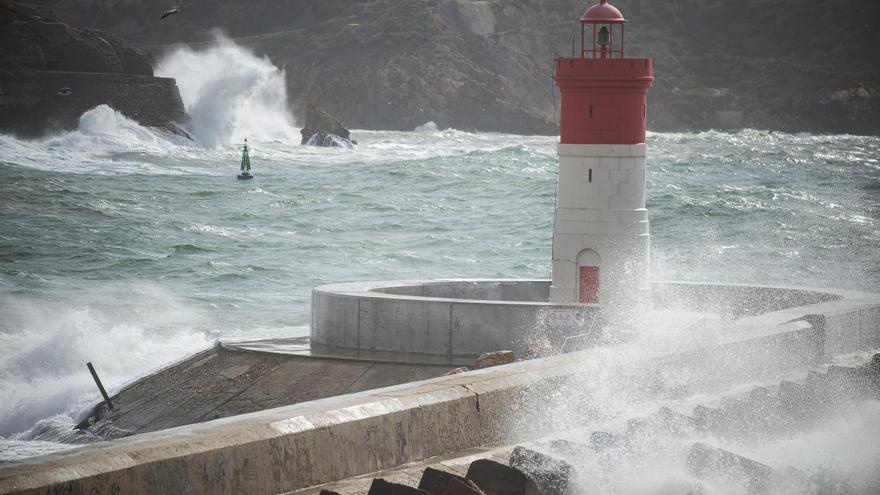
pixel 322 129
pixel 50 74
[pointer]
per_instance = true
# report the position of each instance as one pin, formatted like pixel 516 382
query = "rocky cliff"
pixel 51 73
pixel 486 64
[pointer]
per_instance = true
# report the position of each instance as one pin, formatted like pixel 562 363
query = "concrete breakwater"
pixel 311 443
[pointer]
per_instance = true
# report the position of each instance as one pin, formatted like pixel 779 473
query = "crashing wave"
pixel 230 94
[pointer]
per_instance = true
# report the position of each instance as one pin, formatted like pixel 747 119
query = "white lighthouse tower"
pixel 600 239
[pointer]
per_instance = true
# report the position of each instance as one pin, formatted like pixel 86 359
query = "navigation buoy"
pixel 245 164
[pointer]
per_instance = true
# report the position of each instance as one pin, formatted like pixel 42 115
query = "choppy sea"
pixel 131 248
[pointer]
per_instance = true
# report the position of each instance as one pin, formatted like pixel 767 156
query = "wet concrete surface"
pixel 221 382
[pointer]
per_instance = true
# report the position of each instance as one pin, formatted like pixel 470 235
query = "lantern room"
pixel 603 21
pixel 603 94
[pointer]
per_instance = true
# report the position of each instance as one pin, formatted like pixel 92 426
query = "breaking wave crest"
pixel 230 94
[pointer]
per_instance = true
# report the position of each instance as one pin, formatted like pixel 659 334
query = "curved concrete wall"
pixel 455 320
pixel 452 320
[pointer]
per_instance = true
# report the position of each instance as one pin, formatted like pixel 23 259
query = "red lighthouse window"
pixel 589 284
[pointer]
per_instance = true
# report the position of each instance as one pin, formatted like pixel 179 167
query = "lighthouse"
pixel 600 238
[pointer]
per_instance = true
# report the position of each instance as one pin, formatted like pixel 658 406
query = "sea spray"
pixel 126 331
pixel 230 94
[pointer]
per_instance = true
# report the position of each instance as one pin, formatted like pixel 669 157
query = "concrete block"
pixel 497 479
pixel 461 487
pixel 435 481
pixel 707 462
pixel 552 475
pixel 382 487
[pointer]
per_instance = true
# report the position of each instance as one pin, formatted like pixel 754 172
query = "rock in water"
pixel 322 129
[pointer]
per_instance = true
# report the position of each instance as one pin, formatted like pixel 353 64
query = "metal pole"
pixel 100 386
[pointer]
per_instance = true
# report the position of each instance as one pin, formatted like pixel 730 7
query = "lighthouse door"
pixel 589 284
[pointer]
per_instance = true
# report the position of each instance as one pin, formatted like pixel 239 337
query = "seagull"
pixel 171 11
pixel 65 91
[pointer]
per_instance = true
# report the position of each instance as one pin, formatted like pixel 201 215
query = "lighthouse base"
pixel 601 237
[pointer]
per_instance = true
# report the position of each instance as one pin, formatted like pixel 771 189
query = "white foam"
pixel 230 94
pixel 126 331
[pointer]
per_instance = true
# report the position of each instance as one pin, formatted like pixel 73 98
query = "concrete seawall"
pixel 306 444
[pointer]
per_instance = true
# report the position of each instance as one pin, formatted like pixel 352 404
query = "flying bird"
pixel 171 11
pixel 65 91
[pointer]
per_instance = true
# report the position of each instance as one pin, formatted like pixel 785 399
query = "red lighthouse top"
pixel 604 95
pixel 604 13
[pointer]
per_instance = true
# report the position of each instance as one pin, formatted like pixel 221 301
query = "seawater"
pixel 131 248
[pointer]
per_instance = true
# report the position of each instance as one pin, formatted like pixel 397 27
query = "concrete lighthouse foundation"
pixel 601 236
